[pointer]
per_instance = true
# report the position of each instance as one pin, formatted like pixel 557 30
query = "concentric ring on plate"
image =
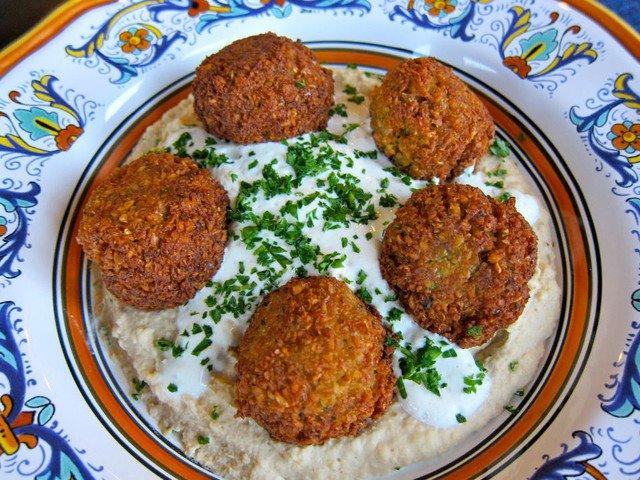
pixel 547 171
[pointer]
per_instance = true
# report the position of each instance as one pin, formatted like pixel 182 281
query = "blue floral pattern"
pixel 571 463
pixel 28 429
pixel 541 47
pixel 137 36
pixel 451 16
pixel 44 124
pixel 16 207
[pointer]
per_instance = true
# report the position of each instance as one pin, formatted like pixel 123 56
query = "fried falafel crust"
pixel 262 88
pixel 157 229
pixel 428 121
pixel 313 364
pixel 460 261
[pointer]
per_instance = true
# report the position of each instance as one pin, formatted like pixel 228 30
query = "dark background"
pixel 18 16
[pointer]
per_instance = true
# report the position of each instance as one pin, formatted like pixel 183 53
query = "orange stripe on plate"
pixel 69 11
pixel 75 324
pixel 611 22
pixel 46 29
pixel 498 448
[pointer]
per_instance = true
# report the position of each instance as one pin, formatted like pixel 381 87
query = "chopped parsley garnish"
pixel 404 178
pixel 461 418
pixel 450 353
pixel 181 144
pixel 215 412
pixel 172 387
pixel 338 109
pixel 394 314
pixel 388 200
pixel 503 197
pixel 475 331
pixel 520 393
pixel 513 365
pixel 301 84
pixel 177 351
pixel 200 347
pixel 419 366
pixel 203 440
pixel 209 158
pixel 471 382
pixel 362 276
pixel 163 344
pixel 364 294
pixel 352 66
pixel 372 154
pixel 138 385
pixel 350 90
pixel 498 184
pixel 357 99
pixel 511 409
pixel 499 148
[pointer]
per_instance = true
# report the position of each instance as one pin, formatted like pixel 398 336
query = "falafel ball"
pixel 157 229
pixel 262 88
pixel 313 364
pixel 428 121
pixel 460 261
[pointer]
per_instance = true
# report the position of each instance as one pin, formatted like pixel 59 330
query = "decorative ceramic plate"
pixel 561 81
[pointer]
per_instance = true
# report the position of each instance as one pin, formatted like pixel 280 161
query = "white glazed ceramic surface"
pixel 564 92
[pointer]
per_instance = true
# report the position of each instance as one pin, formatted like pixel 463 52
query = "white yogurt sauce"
pixel 190 373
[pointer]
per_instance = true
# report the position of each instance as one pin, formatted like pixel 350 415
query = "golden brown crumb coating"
pixel 460 261
pixel 313 364
pixel 262 88
pixel 157 229
pixel 428 121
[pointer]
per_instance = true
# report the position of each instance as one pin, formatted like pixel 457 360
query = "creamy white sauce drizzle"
pixel 190 373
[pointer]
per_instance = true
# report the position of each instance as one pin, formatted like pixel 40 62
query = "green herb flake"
pixel 450 353
pixel 394 314
pixel 460 418
pixel 215 412
pixel 177 351
pixel 352 66
pixel 180 145
pixel 418 365
pixel 301 84
pixel 172 387
pixel 503 197
pixel 513 365
pixel 498 184
pixel 388 201
pixel 163 344
pixel 402 390
pixel 350 90
pixel 511 409
pixel 475 331
pixel 338 109
pixel 499 148
pixel 203 440
pixel 138 385
pixel 364 294
pixel 200 347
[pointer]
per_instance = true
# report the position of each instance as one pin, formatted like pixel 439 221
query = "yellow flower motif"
pixel 134 40
pixel 441 8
